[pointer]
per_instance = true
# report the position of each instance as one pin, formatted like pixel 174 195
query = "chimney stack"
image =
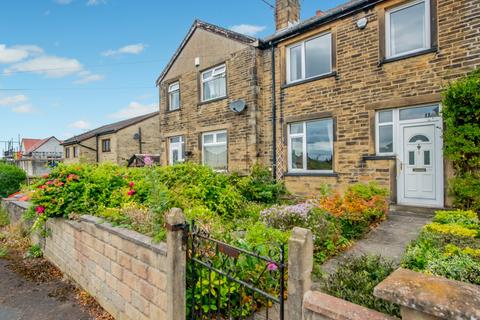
pixel 287 12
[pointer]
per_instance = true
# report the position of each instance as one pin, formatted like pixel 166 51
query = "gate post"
pixel 300 265
pixel 176 265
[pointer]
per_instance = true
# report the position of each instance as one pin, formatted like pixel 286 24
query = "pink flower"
pixel 148 161
pixel 131 192
pixel 131 184
pixel 272 266
pixel 49 182
pixel 59 184
pixel 42 186
pixel 72 176
pixel 40 210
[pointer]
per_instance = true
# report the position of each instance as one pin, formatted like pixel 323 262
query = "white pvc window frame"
pixel 426 36
pixel 303 135
pixel 217 72
pixel 173 88
pixel 303 58
pixel 215 143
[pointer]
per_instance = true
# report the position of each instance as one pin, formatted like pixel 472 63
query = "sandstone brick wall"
pixel 120 268
pixel 85 152
pixel 362 85
pixel 194 118
pixel 126 146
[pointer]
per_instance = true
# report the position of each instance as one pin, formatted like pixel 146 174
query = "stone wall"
pixel 363 84
pixel 130 277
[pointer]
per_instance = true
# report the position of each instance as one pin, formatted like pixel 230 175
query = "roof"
pixel 211 28
pixel 109 128
pixel 335 13
pixel 29 143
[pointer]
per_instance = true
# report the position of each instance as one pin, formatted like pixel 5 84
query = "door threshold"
pixel 414 209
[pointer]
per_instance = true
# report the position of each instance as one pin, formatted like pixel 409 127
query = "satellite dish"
pixel 136 136
pixel 237 106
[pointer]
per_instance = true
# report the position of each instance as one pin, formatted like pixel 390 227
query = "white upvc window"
pixel 176 150
pixel 174 96
pixel 310 58
pixel 310 146
pixel 385 132
pixel 407 28
pixel 214 84
pixel 387 125
pixel 214 150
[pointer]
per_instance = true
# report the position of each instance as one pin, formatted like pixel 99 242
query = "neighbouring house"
pixel 38 156
pixel 356 95
pixel 116 142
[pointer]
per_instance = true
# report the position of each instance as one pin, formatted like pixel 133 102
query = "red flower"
pixel 59 184
pixel 71 177
pixel 131 184
pixel 42 186
pixel 131 192
pixel 40 210
pixel 50 182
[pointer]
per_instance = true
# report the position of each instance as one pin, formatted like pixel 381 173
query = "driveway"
pixel 22 299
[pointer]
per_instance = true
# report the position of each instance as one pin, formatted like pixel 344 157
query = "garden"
pixel 245 211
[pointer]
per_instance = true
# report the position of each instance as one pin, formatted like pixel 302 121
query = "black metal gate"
pixel 227 282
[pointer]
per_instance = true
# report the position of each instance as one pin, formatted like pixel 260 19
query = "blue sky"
pixel 67 66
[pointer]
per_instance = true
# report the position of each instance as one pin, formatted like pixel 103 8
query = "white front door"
pixel 421 164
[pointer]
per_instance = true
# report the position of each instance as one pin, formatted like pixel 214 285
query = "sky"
pixel 67 66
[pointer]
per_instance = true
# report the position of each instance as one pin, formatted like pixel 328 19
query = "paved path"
pixel 21 299
pixel 389 239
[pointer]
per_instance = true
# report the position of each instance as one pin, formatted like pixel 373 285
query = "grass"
pixel 4 219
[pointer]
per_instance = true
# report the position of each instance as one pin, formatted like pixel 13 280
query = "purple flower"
pixel 148 161
pixel 272 266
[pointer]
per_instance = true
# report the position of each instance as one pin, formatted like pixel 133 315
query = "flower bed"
pixel 448 247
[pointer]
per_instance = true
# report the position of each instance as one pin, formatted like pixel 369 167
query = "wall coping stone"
pixel 130 235
pixel 334 308
pixel 441 297
pixel 21 204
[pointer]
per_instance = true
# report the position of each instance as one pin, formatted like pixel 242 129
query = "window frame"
pixel 212 77
pixel 67 152
pixel 180 146
pixel 75 152
pixel 428 29
pixel 303 57
pixel 303 135
pixel 170 92
pixel 214 143
pixel 104 142
pixel 394 124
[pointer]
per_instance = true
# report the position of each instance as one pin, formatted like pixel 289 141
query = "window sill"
pixel 323 76
pixel 201 103
pixel 172 111
pixel 374 157
pixel 407 56
pixel 311 174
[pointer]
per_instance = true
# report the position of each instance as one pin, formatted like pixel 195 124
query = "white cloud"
pixel 134 109
pixel 17 53
pixel 129 49
pixel 96 2
pixel 80 124
pixel 247 29
pixel 50 66
pixel 87 77
pixel 63 2
pixel 13 100
pixel 24 108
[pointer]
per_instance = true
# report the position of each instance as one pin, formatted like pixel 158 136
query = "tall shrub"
pixel 11 178
pixel 461 114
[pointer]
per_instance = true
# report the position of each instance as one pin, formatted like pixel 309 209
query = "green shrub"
pixel 260 186
pixel 35 251
pixel 466 189
pixel 355 280
pixel 11 178
pixel 467 219
pixel 4 219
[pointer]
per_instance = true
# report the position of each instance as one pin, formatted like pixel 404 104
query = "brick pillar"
pixel 300 264
pixel 176 267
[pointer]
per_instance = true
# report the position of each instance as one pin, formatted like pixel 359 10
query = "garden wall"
pixel 122 269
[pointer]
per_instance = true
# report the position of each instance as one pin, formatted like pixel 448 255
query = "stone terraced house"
pixel 116 143
pixel 356 96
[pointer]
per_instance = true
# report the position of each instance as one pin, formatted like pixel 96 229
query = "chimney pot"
pixel 319 13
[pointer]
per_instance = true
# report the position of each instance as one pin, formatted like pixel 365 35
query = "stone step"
pixel 412 211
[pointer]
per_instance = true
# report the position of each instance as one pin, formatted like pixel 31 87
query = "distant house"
pixel 117 142
pixel 38 156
